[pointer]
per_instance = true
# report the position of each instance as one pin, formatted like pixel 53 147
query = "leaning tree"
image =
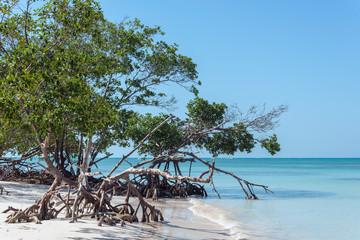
pixel 68 77
pixel 214 128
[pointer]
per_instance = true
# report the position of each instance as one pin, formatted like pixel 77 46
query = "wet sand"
pixel 180 222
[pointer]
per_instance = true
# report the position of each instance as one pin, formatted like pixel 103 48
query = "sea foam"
pixel 219 216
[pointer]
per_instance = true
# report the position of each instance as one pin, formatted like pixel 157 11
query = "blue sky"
pixel 305 54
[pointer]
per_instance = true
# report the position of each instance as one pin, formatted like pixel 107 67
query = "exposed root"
pixel 155 187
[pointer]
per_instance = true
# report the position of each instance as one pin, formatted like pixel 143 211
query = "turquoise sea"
pixel 314 198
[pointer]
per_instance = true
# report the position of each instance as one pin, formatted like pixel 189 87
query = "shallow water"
pixel 313 199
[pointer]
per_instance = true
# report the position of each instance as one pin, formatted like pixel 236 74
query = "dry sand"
pixel 180 222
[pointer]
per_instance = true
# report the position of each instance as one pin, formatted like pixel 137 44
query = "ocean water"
pixel 312 199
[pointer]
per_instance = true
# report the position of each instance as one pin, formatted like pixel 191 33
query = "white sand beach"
pixel 180 222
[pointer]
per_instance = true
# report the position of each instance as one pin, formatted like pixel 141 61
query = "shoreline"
pixel 179 221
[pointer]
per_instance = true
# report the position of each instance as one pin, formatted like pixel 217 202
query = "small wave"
pixel 219 216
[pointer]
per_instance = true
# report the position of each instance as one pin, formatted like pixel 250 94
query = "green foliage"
pixel 16 137
pixel 271 144
pixel 137 65
pixel 63 66
pixel 207 128
pixel 167 137
pixel 202 113
pixel 43 73
pixel 229 142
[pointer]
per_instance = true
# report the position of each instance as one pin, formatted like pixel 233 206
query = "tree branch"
pixel 139 145
pixel 156 171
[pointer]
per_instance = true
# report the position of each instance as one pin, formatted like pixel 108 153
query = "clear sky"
pixel 302 53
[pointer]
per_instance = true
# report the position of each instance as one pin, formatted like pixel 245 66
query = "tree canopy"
pixel 68 80
pixel 65 68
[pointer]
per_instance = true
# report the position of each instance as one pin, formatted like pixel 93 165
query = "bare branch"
pixel 25 22
pixel 155 171
pixel 240 180
pixel 139 145
pixel 257 119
